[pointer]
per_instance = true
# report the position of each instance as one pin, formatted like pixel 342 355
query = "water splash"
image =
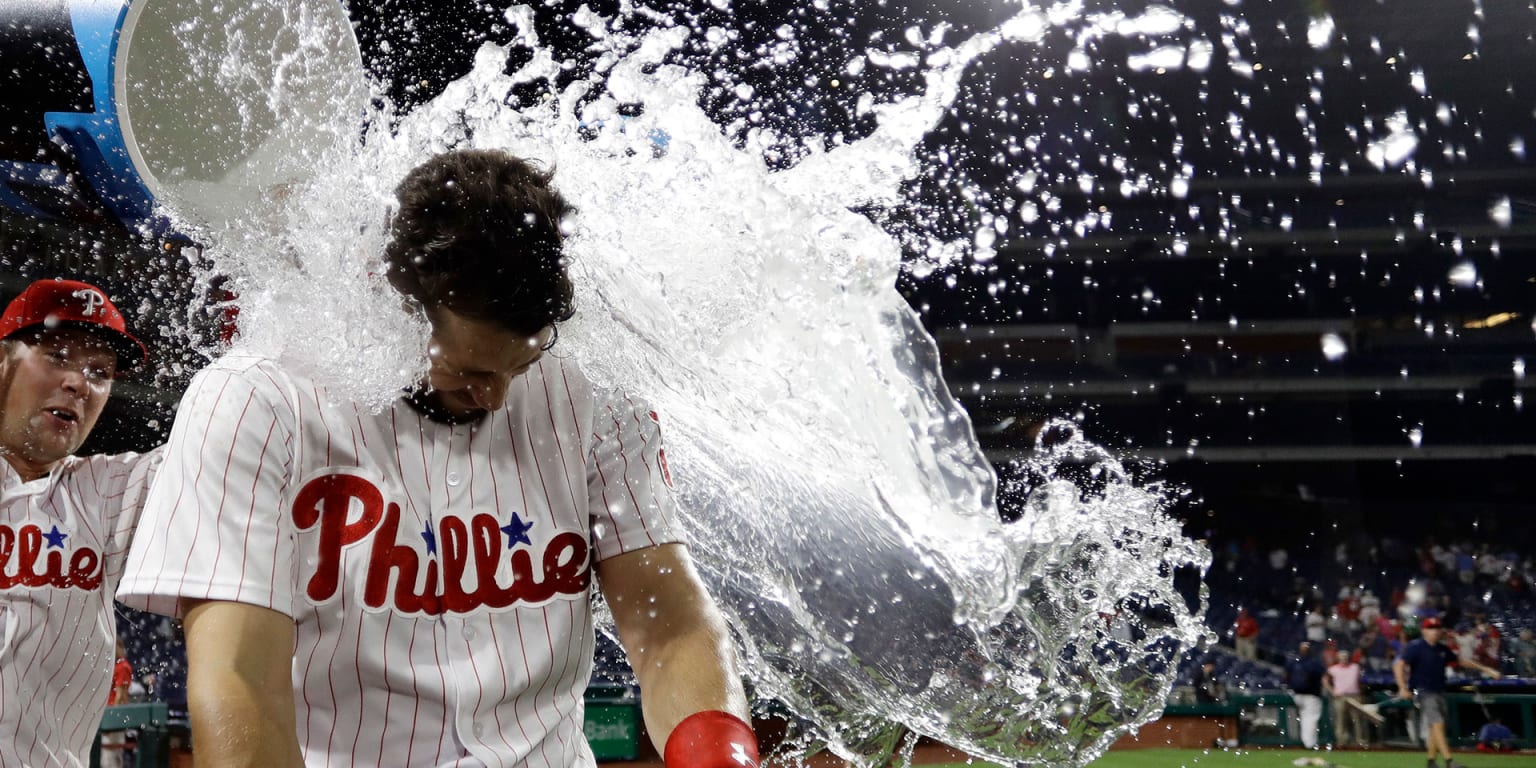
pixel 839 504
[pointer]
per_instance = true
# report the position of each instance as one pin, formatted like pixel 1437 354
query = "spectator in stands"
pixel 1304 675
pixel 1376 651
pixel 1467 609
pixel 1466 566
pixel 1346 613
pixel 1420 673
pixel 1464 641
pixel 1492 568
pixel 1279 559
pixel 113 742
pixel 1316 624
pixel 1330 653
pixel 1389 628
pixel 1245 635
pixel 1343 685
pixel 1437 557
pixel 1495 736
pixel 1525 654
pixel 1208 690
pixel 1488 643
pixel 1370 609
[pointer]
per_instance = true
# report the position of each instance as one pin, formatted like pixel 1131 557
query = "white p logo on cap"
pixel 93 300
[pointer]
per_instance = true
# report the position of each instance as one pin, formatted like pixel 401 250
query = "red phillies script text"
pixel 24 547
pixel 468 547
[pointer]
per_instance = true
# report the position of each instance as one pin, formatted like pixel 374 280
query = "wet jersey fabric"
pixel 439 575
pixel 63 542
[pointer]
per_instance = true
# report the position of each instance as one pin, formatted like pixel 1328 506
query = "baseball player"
pixel 412 587
pixel 65 521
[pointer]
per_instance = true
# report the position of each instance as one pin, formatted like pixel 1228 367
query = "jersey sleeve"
pixel 629 486
pixel 212 527
pixel 118 484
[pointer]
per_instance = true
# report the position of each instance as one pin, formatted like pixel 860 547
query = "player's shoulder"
pixel 556 368
pixel 259 371
pixel 123 460
pixel 562 373
pixel 104 474
pixel 240 377
pixel 245 362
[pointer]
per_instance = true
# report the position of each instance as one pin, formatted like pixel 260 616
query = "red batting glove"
pixel 712 739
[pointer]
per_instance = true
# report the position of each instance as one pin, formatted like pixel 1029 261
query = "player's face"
pixel 54 389
pixel 474 362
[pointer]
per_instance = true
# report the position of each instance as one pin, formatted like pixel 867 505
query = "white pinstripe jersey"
pixel 438 575
pixel 63 540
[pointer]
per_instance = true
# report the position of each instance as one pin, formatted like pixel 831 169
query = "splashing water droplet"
pixel 1394 149
pixel 1502 212
pixel 1320 32
pixel 1334 347
pixel 1463 275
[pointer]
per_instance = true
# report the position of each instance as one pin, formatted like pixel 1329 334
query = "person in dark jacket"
pixel 1421 670
pixel 1304 677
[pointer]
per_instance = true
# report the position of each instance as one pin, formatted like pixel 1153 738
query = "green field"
pixel 1286 758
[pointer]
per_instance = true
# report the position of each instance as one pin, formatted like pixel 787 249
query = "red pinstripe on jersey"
pixel 56 661
pixel 464 644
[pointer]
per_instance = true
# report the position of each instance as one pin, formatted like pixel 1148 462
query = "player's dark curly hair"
pixel 478 233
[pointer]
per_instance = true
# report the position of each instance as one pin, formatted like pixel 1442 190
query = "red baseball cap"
pixel 55 303
pixel 1433 622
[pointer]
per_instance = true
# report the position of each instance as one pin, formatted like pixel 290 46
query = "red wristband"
pixel 712 739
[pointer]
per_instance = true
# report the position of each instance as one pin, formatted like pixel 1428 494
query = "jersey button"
pixel 453 478
pixel 469 633
pixel 479 730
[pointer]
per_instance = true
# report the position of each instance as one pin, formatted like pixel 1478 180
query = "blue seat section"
pixel 1236 675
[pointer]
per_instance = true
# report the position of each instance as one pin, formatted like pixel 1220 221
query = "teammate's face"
pixel 474 362
pixel 53 391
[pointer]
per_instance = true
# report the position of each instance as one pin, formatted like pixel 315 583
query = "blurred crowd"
pixel 1378 595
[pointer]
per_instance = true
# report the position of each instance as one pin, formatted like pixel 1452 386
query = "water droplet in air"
pixel 1502 212
pixel 1320 32
pixel 1334 347
pixel 1463 275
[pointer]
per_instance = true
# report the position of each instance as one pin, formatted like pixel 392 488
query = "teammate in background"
pixel 413 587
pixel 1421 670
pixel 65 521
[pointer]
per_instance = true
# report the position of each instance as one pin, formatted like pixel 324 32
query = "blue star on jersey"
pixel 426 533
pixel 55 537
pixel 517 531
